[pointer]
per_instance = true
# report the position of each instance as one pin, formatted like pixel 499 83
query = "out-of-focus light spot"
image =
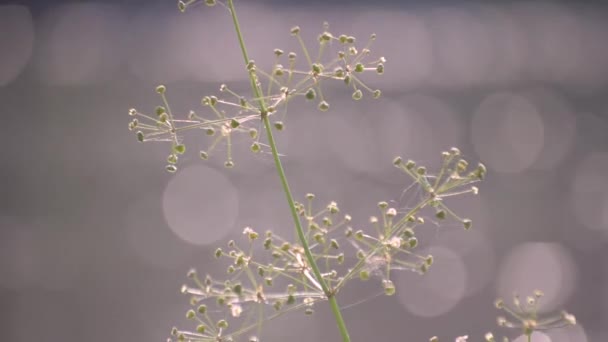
pixel 149 236
pixel 537 336
pixel 589 192
pixel 462 45
pixel 569 334
pixel 350 132
pixel 559 124
pixel 509 44
pixel 436 292
pixel 538 266
pixel 82 44
pixel 422 128
pixel 367 136
pixel 16 39
pixel 406 42
pixel 507 132
pixel 201 205
pixel 473 246
pixel 555 40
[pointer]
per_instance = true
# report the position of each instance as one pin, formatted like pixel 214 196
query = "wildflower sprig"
pixel 284 279
pixel 235 113
pixel 316 263
pixel 524 315
pixel 254 285
pixel 393 243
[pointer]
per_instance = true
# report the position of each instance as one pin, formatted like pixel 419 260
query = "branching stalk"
pixel 257 92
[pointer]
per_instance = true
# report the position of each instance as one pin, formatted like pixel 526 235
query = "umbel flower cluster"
pixel 338 58
pixel 525 318
pixel 271 276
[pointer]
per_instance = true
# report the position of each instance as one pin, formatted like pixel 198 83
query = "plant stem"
pixel 257 92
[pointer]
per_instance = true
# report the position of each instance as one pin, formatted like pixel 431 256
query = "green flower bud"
pixel 222 323
pixel 161 89
pixel 238 289
pixel 357 95
pixel 323 106
pixel 234 123
pixel 190 314
pixel 295 30
pixel 210 131
pixel 210 3
pixel 140 136
pixel 410 164
pixel 203 155
pixel 267 243
pixel 376 93
pixel 389 287
pixel 467 223
pixel 364 275
pixel 219 252
pixel 201 328
pixel 255 147
pixel 310 94
pixel 180 148
pixel 325 36
pixel 278 52
pixel 408 232
pixel 334 244
pixel 279 125
pixel 413 242
pixel 229 164
pixel 253 133
pixel 359 67
pixel 317 68
pixel 380 69
pixel 171 168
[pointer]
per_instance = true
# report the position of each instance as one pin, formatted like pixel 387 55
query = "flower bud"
pixel 323 106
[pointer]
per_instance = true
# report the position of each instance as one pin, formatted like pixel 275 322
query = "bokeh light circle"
pixel 82 44
pixel 537 336
pixel 200 205
pixel 507 132
pixel 149 237
pixel 538 266
pixel 439 290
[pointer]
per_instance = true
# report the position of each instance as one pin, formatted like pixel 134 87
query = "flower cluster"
pixel 282 279
pixel 233 113
pixel 525 316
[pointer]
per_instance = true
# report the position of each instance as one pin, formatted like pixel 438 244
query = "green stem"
pixel 279 167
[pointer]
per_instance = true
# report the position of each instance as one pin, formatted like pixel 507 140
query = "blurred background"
pixel 96 237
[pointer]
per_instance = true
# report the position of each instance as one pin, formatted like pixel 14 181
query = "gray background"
pixel 96 238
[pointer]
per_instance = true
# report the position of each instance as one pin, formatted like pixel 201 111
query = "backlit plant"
pixel 269 275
